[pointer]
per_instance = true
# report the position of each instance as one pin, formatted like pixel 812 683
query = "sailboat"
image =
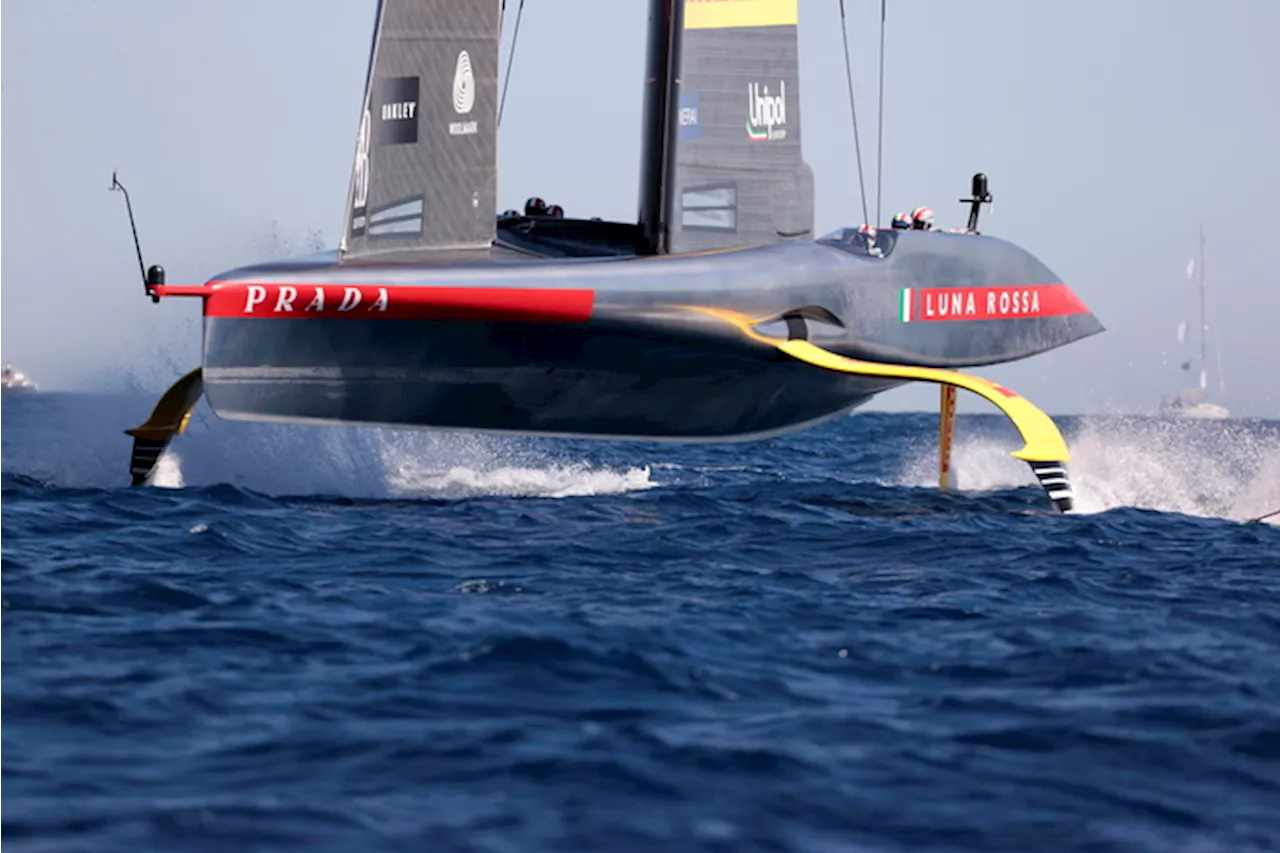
pixel 1193 403
pixel 717 316
pixel 14 381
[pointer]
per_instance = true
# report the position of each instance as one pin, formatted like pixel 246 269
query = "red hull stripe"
pixel 277 301
pixel 934 304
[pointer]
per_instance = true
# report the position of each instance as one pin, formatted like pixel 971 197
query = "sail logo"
pixel 360 179
pixel 464 85
pixel 464 95
pixel 736 14
pixel 398 111
pixel 689 127
pixel 766 114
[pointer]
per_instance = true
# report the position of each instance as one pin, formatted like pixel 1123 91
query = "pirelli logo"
pixel 728 14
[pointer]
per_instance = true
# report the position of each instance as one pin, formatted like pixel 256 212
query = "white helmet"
pixel 922 219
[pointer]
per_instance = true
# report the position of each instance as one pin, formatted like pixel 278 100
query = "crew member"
pixel 556 211
pixel 535 207
pixel 922 219
pixel 902 221
pixel 868 234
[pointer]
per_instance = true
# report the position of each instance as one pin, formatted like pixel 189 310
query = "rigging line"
pixel 880 118
pixel 511 55
pixel 853 110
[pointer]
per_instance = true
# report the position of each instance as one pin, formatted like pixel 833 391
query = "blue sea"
pixel 305 638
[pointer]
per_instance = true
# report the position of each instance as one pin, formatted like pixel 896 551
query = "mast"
pixel 658 138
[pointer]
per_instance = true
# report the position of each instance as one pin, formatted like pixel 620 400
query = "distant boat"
pixel 1193 403
pixel 1182 405
pixel 17 382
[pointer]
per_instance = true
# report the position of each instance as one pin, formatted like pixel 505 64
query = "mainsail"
pixel 739 176
pixel 425 172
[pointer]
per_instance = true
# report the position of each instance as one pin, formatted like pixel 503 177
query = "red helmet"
pixel 922 219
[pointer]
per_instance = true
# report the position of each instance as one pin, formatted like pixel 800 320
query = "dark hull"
pixel 530 379
pixel 642 362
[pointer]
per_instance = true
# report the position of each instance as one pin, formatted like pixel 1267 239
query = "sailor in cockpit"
pixel 537 207
pixel 922 219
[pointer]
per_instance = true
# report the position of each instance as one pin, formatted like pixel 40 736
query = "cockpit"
pixel 874 243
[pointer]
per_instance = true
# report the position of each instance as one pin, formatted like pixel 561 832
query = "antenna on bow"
pixel 979 196
pixel 150 277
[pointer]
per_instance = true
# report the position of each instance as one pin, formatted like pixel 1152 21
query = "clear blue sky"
pixel 1109 131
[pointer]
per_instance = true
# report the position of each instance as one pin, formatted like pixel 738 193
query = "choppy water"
pixel 353 640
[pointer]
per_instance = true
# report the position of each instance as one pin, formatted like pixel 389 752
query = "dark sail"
pixel 425 172
pixel 739 176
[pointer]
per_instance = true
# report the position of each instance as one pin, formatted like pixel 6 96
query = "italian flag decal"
pixel 904 309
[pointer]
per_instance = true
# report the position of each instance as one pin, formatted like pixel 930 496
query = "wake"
pixel 1223 469
pixel 364 462
pixel 77 441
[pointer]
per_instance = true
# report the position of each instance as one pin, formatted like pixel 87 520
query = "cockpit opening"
pixel 874 243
